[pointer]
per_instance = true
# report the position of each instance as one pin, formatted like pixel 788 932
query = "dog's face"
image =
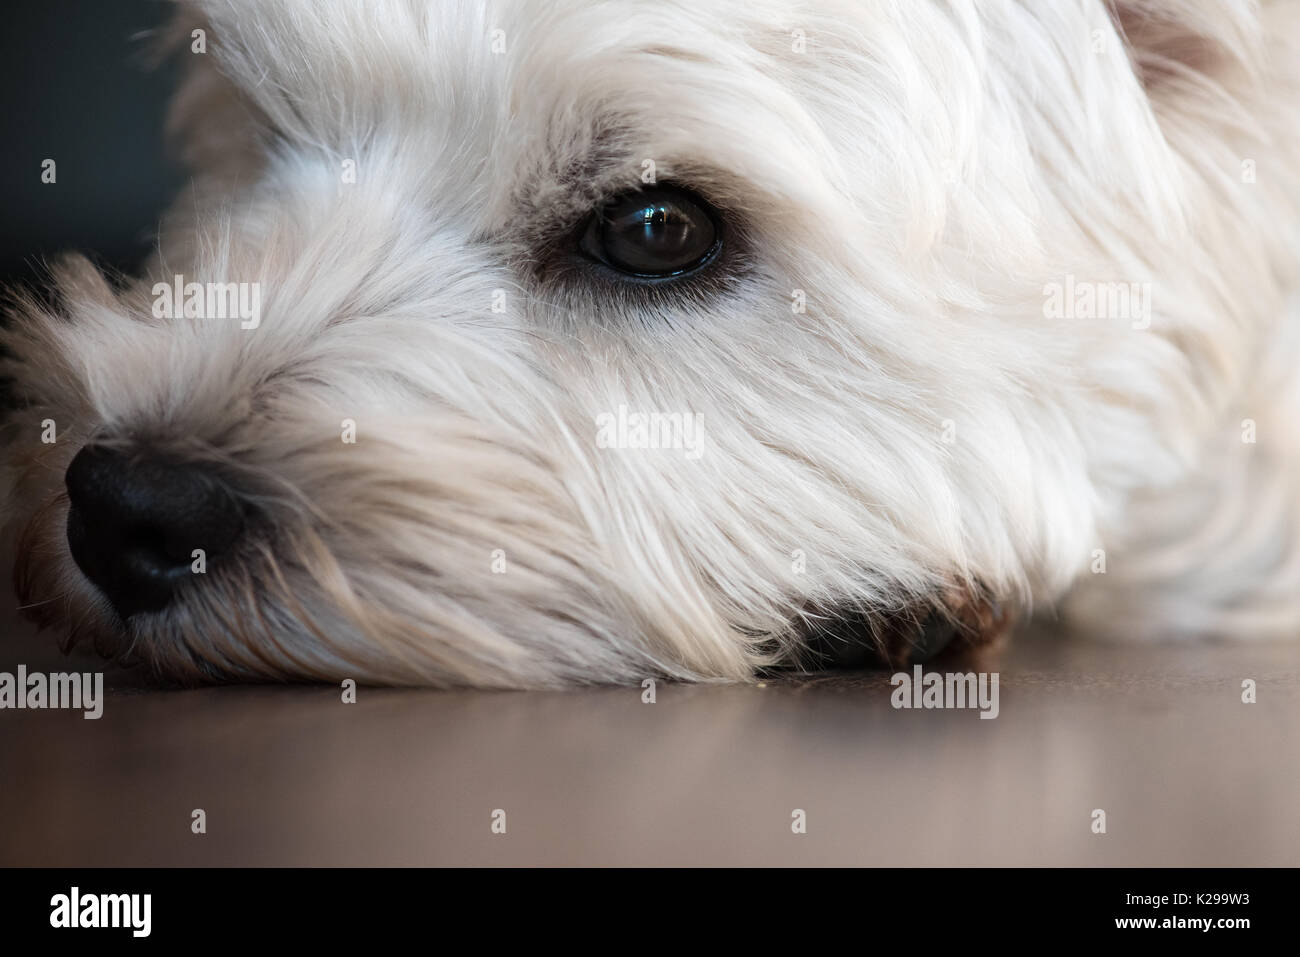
pixel 485 240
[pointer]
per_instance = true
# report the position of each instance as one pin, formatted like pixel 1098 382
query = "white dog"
pixel 526 343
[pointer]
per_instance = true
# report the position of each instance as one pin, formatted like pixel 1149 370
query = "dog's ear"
pixel 214 128
pixel 1176 45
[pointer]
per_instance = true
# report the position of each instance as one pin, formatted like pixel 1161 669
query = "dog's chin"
pixel 849 639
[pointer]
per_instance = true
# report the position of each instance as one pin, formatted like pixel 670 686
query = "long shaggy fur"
pixel 916 173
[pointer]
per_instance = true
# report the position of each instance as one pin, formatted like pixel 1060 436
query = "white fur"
pixel 921 171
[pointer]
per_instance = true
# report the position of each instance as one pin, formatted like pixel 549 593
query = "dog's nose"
pixel 135 523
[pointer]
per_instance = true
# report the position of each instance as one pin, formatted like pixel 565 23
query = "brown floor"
pixel 1156 736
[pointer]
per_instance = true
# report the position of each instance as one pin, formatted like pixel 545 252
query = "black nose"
pixel 135 522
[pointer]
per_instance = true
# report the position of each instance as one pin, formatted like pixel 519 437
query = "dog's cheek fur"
pixel 1216 551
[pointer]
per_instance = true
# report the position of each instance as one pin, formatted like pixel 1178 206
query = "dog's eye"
pixel 653 233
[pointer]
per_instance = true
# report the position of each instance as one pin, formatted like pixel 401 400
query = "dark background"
pixel 78 87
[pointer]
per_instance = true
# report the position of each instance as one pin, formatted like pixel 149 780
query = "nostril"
pixel 135 522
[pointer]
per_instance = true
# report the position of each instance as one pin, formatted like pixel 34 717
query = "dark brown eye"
pixel 653 233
